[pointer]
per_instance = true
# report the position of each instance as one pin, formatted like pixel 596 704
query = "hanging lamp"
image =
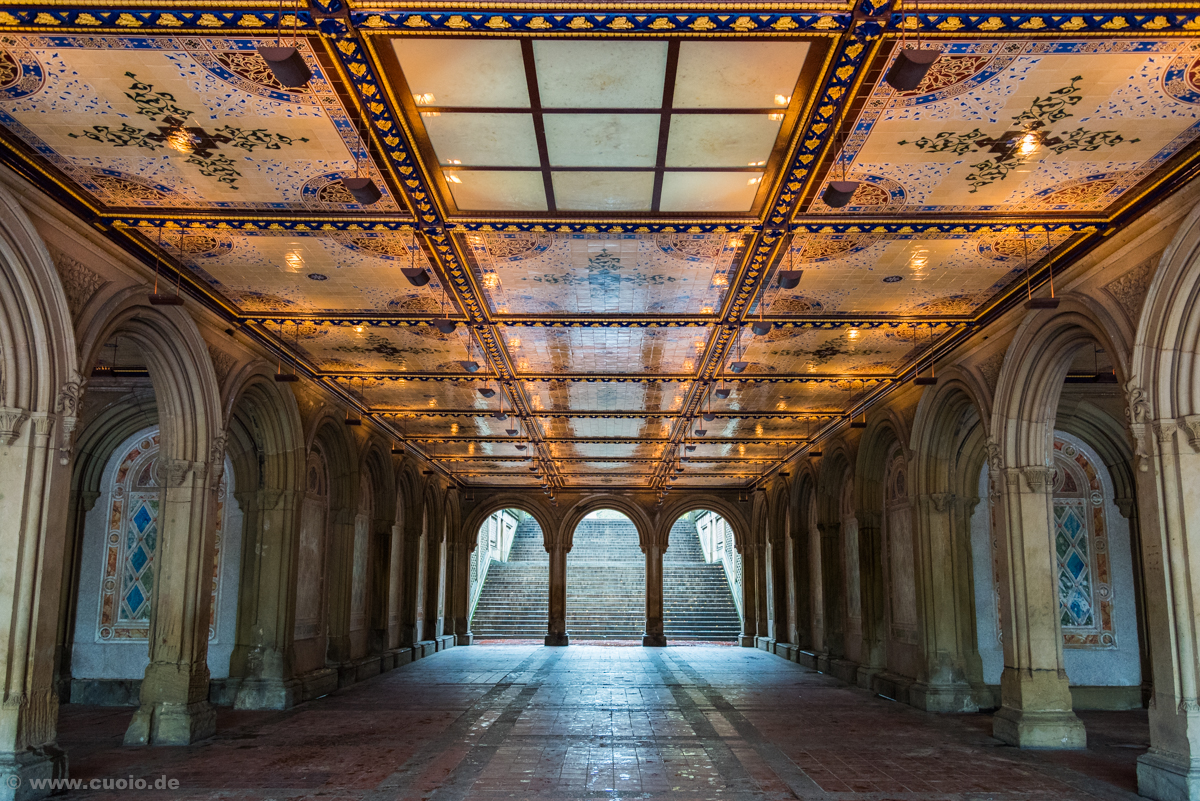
pixel 286 63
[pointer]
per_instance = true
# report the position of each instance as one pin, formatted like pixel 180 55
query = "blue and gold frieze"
pixel 612 24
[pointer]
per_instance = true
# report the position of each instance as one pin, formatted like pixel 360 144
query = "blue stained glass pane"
pixel 1071 524
pixel 139 559
pixel 142 519
pixel 135 599
pixel 1076 565
pixel 1061 544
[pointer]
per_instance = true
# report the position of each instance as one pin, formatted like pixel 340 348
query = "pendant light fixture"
pixel 417 276
pixel 838 193
pixel 1032 302
pixel 157 298
pixel 931 379
pixel 443 323
pixel 863 422
pixel 738 366
pixel 286 63
pixel 357 419
pixel 500 415
pixel 911 65
pixel 813 450
pixel 363 189
pixel 789 278
pixel 469 364
pixel 280 375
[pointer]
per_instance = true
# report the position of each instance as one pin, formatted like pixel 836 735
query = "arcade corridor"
pixel 609 722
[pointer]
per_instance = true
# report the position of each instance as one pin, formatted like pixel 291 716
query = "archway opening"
pixel 509 579
pixel 702 580
pixel 606 580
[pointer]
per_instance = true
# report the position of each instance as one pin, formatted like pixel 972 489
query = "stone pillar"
pixel 262 654
pixel 339 576
pixel 1035 699
pixel 945 605
pixel 654 635
pixel 460 590
pixel 395 588
pixel 873 652
pixel 556 626
pixel 761 588
pixel 379 587
pixel 833 636
pixel 779 588
pixel 32 522
pixel 174 706
pixel 1168 462
pixel 410 588
pixel 748 637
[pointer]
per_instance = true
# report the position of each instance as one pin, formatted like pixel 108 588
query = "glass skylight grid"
pixel 602 126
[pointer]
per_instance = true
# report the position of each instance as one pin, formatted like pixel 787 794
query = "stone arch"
pixel 40 391
pixel 532 506
pixel 266 446
pixel 631 509
pixel 809 598
pixel 834 480
pixel 1163 404
pixel 676 508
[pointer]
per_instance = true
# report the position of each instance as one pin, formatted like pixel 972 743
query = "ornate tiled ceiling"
pixel 603 199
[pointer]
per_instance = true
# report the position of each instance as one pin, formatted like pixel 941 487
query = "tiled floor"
pixel 588 722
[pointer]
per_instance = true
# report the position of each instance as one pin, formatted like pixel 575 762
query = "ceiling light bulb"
pixel 452 178
pixel 358 329
pixel 423 99
pixel 782 100
pixel 1028 143
pixel 180 140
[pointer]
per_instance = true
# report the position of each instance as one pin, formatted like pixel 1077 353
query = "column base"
pixel 1168 777
pixel 266 693
pixel 17 770
pixel 558 639
pixel 944 697
pixel 171 724
pixel 746 640
pixel 1055 729
pixel 654 641
pixel 464 639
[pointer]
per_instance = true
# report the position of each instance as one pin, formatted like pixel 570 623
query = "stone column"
pixel 1168 462
pixel 410 587
pixel 32 522
pixel 748 637
pixel 556 626
pixel 654 635
pixel 833 636
pixel 174 706
pixel 779 587
pixel 460 590
pixel 339 575
pixel 262 655
pixel 761 588
pixel 395 593
pixel 1035 699
pixel 945 605
pixel 871 588
pixel 379 588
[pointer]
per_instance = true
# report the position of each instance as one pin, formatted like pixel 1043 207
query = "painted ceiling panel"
pixel 1035 126
pixel 780 396
pixel 721 140
pixel 502 191
pixel 406 395
pixel 181 122
pixel 489 140
pixel 304 272
pixel 607 450
pixel 907 274
pixel 596 396
pixel 603 191
pixel 839 351
pixel 419 348
pixel 604 273
pixel 602 140
pixel 709 191
pixel 602 428
pixel 430 428
pixel 608 350
pixel 732 450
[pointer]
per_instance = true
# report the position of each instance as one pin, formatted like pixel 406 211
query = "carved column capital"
pixel 1038 479
pixel 11 422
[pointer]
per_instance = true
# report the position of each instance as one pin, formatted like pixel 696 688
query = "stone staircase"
pixel 606 587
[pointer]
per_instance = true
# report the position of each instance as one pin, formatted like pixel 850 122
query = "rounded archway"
pixel 606 578
pixel 702 580
pixel 508 578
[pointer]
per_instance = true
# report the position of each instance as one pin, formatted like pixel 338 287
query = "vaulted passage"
pixel 601 722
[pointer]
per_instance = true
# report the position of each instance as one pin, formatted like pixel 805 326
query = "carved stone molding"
pixel 174 472
pixel 1164 430
pixel 216 458
pixel 43 424
pixel 223 363
pixel 1130 289
pixel 1038 479
pixel 67 405
pixel 989 368
pixel 11 421
pixel 80 284
pixel 1191 426
pixel 1137 408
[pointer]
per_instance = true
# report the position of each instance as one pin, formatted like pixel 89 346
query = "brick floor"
pixel 591 722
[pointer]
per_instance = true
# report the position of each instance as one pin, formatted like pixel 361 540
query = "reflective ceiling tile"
pixel 737 74
pixel 464 72
pixel 484 140
pixel 600 74
pixel 721 140
pixel 708 191
pixel 603 191
pixel 602 140
pixel 499 191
